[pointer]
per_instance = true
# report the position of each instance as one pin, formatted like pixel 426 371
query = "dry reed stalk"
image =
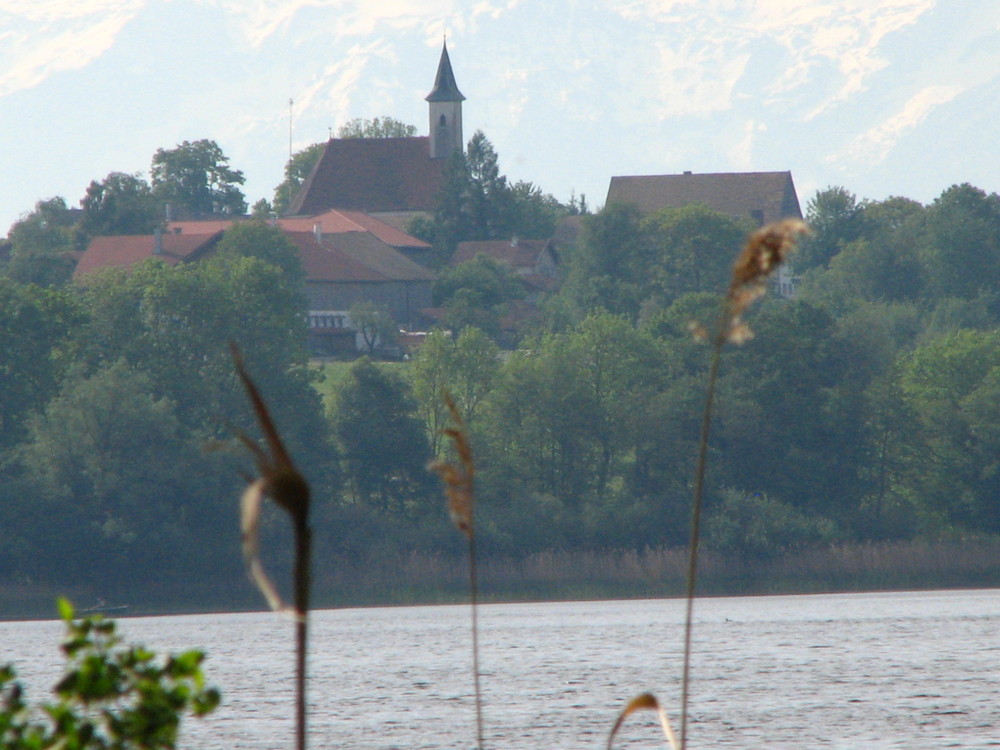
pixel 281 481
pixel 765 250
pixel 640 702
pixel 459 488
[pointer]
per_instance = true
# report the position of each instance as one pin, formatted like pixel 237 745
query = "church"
pixel 392 179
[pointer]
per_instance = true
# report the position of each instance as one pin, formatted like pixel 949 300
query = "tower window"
pixel 442 122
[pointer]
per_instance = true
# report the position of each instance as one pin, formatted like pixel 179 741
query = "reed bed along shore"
pixel 560 575
pixel 431 578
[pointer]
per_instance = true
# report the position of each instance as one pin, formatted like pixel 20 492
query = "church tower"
pixel 445 103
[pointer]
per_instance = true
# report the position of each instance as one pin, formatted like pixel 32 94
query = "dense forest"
pixel 865 409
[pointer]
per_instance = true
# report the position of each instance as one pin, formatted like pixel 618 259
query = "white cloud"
pixel 49 11
pixel 262 19
pixel 333 90
pixel 42 38
pixel 741 153
pixel 695 81
pixel 839 35
pixel 875 144
pixel 845 36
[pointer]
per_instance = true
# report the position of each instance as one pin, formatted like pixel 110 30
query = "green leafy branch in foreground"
pixel 112 696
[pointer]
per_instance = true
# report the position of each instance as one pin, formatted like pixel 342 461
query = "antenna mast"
pixel 290 103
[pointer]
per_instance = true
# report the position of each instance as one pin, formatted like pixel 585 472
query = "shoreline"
pixel 422 579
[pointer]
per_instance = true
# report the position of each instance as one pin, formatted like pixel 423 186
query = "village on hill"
pixel 352 216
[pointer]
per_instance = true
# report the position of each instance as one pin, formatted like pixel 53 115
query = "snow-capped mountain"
pixel 881 96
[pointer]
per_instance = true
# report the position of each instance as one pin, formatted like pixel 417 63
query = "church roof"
pixel 372 175
pixel 765 196
pixel 445 89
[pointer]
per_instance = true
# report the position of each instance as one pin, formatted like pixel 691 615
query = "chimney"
pixel 168 211
pixel 513 241
pixel 158 241
pixel 687 171
pixel 318 231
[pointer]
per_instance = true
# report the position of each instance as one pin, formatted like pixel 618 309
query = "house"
pixel 764 197
pixel 331 221
pixel 536 262
pixel 339 222
pixel 348 268
pixel 761 196
pixel 342 269
pixel 125 251
pixel 391 179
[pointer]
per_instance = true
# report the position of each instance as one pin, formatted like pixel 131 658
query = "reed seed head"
pixel 766 249
pixel 458 478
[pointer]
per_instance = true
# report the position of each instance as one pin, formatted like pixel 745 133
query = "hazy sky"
pixel 885 97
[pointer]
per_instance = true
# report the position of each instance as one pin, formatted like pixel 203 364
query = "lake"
pixel 886 670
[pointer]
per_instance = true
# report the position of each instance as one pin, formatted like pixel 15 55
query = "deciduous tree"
pixel 961 251
pixel 297 169
pixel 691 249
pixel 377 127
pixel 42 244
pixel 383 444
pixel 476 293
pixel 195 176
pixel 37 327
pixel 376 326
pixel 836 218
pixel 119 204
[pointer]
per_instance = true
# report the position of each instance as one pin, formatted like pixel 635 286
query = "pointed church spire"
pixel 445 105
pixel 445 89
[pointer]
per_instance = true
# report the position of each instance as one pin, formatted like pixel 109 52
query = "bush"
pixel 112 695
pixel 755 526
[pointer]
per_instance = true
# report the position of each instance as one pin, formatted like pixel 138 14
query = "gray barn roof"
pixel 764 196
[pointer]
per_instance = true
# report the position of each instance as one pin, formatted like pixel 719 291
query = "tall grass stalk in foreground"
pixel 765 250
pixel 460 491
pixel 285 485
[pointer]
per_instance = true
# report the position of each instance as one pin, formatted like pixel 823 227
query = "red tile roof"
pixel 322 262
pixel 331 222
pixel 202 226
pixel 371 175
pixel 354 256
pixel 335 222
pixel 125 251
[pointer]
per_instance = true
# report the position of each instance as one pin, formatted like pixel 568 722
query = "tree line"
pixel 863 409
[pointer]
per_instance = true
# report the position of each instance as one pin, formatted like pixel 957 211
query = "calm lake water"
pixel 901 670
